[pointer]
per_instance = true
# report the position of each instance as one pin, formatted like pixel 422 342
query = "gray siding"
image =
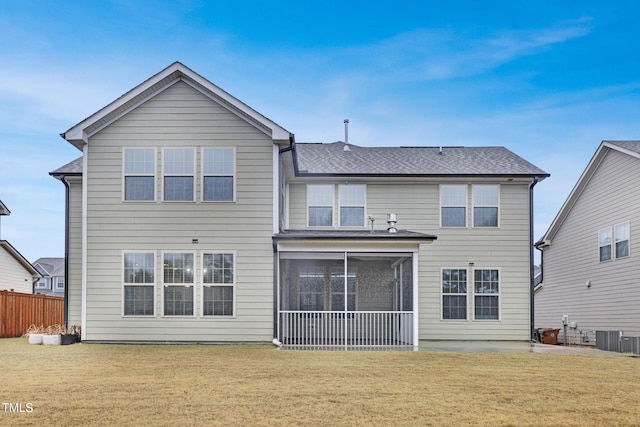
pixel 180 117
pixel 506 248
pixel 611 302
pixel 74 279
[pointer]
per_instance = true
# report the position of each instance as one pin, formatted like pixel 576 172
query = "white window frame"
pixel 165 174
pixel 192 285
pixel 447 204
pixel 498 295
pixel 478 204
pixel 42 283
pixel 616 241
pixel 204 174
pixel 332 206
pixel 57 281
pixel 603 243
pixel 126 174
pixel 151 285
pixel 342 204
pixel 467 294
pixel 204 285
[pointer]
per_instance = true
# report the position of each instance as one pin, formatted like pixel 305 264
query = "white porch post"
pixel 416 335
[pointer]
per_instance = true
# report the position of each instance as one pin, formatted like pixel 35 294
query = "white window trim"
pixel 57 283
pixel 333 206
pixel 154 284
pixel 474 294
pixel 364 206
pixel 614 247
pixel 41 285
pixel 155 174
pixel 193 175
pixel 466 294
pixel 203 175
pixel 610 229
pixel 465 206
pixel 163 285
pixel 473 206
pixel 204 285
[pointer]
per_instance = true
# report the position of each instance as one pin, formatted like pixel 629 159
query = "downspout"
pixel 531 258
pixel 66 250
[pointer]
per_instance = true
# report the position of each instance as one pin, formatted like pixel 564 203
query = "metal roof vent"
pixel 392 220
pixel 346 135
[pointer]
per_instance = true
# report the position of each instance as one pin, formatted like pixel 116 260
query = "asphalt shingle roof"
pixel 627 145
pixel 332 159
pixel 74 167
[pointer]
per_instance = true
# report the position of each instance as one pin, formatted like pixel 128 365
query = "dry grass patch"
pixel 91 384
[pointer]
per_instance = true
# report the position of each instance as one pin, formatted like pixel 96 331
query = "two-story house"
pixel 52 271
pixel 192 217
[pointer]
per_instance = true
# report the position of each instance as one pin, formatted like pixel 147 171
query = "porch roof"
pixel 375 235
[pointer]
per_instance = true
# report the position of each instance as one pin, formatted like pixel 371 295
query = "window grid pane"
pixel 453 202
pixel 485 205
pixel 178 188
pixel 454 290
pixel 487 290
pixel 622 240
pixel 178 300
pixel 218 188
pixel 605 239
pixel 139 188
pixel 218 300
pixel 139 289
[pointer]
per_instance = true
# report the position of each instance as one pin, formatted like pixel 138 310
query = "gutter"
pixel 67 202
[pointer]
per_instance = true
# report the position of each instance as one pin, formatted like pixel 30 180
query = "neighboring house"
pixel 590 268
pixel 16 273
pixel 192 217
pixel 53 276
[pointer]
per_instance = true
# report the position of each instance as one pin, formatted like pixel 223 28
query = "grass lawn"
pixel 127 385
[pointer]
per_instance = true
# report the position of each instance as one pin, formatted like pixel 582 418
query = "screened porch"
pixel 345 299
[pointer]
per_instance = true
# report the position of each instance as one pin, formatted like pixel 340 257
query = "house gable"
pixel 79 134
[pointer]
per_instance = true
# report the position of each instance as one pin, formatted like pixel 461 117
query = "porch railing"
pixel 354 329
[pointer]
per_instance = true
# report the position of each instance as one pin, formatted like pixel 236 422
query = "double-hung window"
pixel 139 283
pixel 178 279
pixel 320 205
pixel 486 294
pixel 486 199
pixel 453 205
pixel 218 169
pixel 454 294
pixel 605 241
pixel 139 174
pixel 179 166
pixel 621 233
pixel 352 205
pixel 59 283
pixel 218 280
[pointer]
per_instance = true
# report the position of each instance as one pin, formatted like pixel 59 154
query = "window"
pixel 487 294
pixel 179 174
pixel 320 203
pixel 178 284
pixel 454 294
pixel 485 205
pixel 604 242
pixel 622 239
pixel 139 283
pixel 42 284
pixel 139 173
pixel 311 282
pixel 337 289
pixel 218 168
pixel 453 202
pixel 59 283
pixel 352 205
pixel 218 284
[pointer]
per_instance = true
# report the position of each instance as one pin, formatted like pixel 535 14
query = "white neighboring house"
pixel 53 276
pixel 191 217
pixel 16 273
pixel 589 258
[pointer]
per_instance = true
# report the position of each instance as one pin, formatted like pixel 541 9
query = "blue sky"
pixel 549 80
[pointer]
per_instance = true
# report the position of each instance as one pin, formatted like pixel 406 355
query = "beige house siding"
pixel 572 261
pixel 180 117
pixel 13 275
pixel 506 248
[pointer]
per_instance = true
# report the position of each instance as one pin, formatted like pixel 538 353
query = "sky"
pixel 548 80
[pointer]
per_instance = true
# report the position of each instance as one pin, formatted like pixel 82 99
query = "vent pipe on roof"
pixel 440 150
pixel 391 220
pixel 346 135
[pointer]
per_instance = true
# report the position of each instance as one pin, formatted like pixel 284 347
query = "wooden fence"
pixel 19 311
